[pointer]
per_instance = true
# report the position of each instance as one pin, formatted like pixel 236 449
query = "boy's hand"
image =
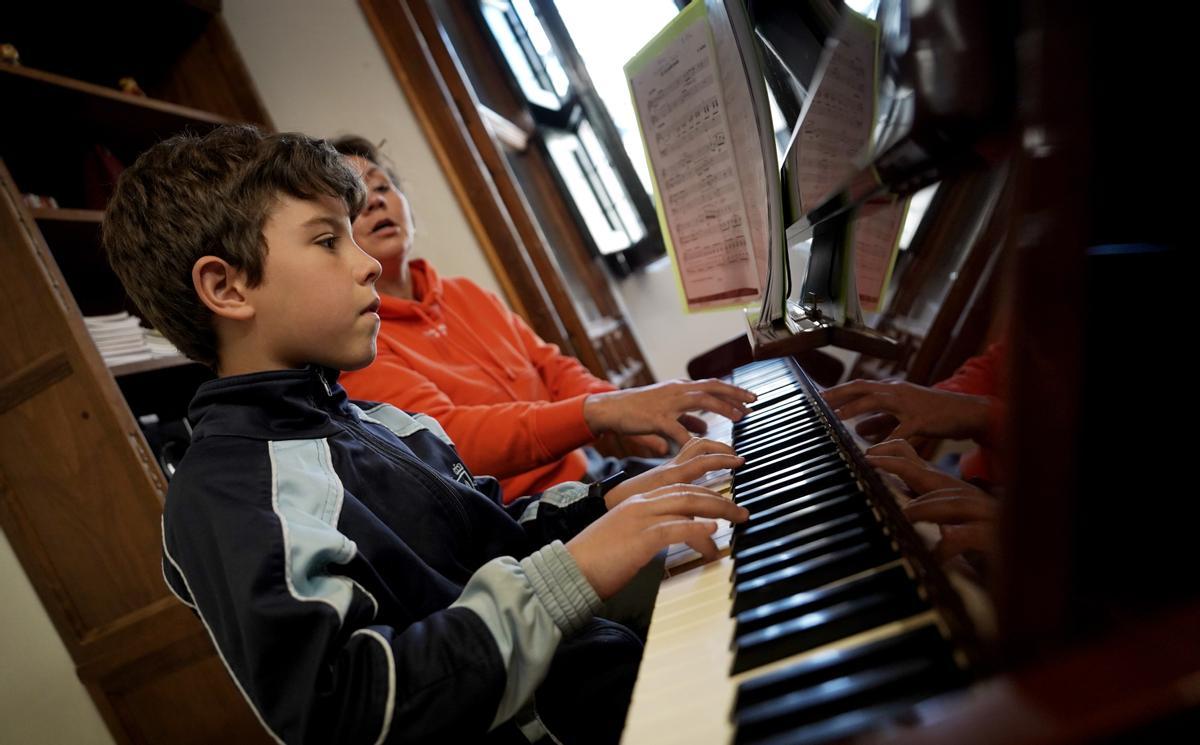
pixel 662 408
pixel 612 549
pixel 696 458
pixel 903 410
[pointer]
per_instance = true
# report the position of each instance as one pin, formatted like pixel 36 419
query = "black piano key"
pixel 752 532
pixel 802 476
pixel 800 452
pixel 792 391
pixel 905 679
pixel 891 580
pixel 803 463
pixel 777 392
pixel 782 439
pixel 842 728
pixel 751 569
pixel 809 575
pixel 788 498
pixel 781 432
pixel 748 553
pixel 773 418
pixel 786 491
pixel 812 714
pixel 767 384
pixel 812 630
pixel 769 443
pixel 774 408
pixel 805 476
pixel 747 375
pixel 923 641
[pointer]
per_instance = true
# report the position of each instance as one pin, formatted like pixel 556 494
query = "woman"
pixel 514 405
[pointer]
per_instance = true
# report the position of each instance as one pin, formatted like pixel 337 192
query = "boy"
pixel 358 582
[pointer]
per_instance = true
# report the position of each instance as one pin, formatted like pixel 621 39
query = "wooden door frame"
pixel 429 74
pixel 433 79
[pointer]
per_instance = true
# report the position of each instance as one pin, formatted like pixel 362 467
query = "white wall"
pixel 41 700
pixel 669 336
pixel 320 71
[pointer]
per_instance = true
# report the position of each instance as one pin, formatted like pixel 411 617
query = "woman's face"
pixel 384 228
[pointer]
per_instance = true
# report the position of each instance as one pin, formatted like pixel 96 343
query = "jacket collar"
pixel 274 405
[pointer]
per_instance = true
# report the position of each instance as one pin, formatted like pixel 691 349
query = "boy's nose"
pixel 370 269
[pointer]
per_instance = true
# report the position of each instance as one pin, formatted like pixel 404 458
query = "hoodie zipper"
pixel 404 460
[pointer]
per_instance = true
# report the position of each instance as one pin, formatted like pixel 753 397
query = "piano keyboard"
pixel 825 619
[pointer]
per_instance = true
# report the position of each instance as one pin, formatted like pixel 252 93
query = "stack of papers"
pixel 122 339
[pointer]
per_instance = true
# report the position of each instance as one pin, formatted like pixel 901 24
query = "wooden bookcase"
pixel 80 489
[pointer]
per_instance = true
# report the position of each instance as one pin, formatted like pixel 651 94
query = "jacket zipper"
pixel 400 458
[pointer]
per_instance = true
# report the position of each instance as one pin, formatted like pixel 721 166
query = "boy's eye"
pixel 329 242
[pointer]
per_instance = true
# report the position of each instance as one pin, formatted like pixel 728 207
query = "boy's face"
pixel 317 301
pixel 384 228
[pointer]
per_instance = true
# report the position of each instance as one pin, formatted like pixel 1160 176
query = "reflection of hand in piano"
pixel 965 514
pixel 915 409
pixel 898 458
pixel 967 517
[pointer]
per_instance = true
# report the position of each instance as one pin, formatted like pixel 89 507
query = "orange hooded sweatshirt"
pixel 512 403
pixel 983 375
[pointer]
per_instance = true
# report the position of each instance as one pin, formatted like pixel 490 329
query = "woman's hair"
pixel 365 149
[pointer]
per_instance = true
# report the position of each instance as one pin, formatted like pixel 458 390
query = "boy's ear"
pixel 222 288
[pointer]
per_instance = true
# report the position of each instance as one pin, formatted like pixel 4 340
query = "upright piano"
pixel 827 621
pixel 826 617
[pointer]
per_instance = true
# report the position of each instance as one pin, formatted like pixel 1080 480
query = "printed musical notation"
pixel 836 123
pixel 687 132
pixel 876 231
pixel 835 128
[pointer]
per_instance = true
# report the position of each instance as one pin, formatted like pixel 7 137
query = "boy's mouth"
pixel 372 308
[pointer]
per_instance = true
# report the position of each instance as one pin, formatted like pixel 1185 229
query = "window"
pixel 575 124
pixel 527 49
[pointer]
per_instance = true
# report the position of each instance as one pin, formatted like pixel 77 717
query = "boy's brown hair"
pixel 193 196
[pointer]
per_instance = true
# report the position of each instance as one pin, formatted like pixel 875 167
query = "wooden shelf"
pixel 158 363
pixel 78 448
pixel 54 214
pixel 50 102
pixel 69 229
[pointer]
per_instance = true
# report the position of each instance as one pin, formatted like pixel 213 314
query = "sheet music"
pixel 835 130
pixel 836 122
pixel 751 129
pixel 686 127
pixel 876 235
